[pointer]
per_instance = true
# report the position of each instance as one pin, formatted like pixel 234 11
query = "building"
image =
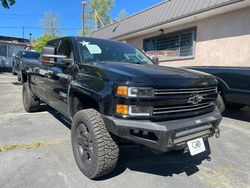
pixel 10 46
pixel 189 32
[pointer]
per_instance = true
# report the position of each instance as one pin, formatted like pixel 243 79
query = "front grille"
pixel 182 103
pixel 179 109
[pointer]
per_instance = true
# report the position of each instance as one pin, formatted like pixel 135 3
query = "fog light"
pixel 122 109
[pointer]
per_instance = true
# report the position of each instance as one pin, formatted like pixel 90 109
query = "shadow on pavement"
pixel 166 164
pixel 52 111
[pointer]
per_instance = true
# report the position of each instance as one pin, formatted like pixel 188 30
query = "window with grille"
pixel 178 45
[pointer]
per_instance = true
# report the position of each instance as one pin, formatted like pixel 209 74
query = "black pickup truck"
pixel 110 91
pixel 19 62
pixel 234 85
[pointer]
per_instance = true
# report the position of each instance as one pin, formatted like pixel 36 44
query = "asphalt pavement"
pixel 35 151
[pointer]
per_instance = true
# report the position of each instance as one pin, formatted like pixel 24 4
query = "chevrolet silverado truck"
pixel 110 91
pixel 234 85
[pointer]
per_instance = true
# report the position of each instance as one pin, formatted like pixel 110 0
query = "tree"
pixel 102 7
pixel 8 3
pixel 50 24
pixel 41 41
pixel 122 14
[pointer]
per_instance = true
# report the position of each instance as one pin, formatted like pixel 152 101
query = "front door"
pixel 59 78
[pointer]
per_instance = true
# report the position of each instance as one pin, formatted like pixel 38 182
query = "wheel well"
pixel 79 101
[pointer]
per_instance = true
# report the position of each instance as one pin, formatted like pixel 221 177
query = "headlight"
pixel 139 110
pixel 122 109
pixel 135 91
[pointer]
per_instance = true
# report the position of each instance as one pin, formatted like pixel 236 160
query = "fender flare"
pixel 77 87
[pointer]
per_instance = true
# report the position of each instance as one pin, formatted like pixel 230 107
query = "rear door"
pixel 41 73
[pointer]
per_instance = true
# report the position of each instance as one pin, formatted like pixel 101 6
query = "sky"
pixel 28 13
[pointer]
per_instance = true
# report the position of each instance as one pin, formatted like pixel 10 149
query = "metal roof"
pixel 14 39
pixel 165 12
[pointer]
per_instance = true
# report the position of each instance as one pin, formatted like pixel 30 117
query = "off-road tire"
pixel 20 77
pixel 104 151
pixel 30 102
pixel 13 71
pixel 220 103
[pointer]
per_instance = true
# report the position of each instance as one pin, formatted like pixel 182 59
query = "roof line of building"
pixel 119 30
pixel 178 18
pixel 132 15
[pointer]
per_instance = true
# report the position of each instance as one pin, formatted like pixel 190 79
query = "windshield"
pixel 30 55
pixel 98 50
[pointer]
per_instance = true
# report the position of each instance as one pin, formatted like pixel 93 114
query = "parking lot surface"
pixel 35 151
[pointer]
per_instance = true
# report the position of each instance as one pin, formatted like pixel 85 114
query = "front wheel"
pixel 95 151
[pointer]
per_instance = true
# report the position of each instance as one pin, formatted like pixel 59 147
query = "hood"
pixel 152 75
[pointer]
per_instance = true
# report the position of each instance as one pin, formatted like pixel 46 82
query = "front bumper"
pixel 165 135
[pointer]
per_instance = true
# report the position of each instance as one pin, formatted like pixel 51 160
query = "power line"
pixel 41 28
pixel 32 15
pixel 33 18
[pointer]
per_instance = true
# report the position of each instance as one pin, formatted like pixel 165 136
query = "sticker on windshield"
pixel 94 49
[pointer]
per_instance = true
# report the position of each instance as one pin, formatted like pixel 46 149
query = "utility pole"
pixel 83 4
pixel 30 37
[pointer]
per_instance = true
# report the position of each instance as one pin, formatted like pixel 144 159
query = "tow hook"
pixel 217 133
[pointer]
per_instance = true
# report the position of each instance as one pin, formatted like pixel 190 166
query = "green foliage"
pixel 103 8
pixel 8 3
pixel 41 41
pixel 122 14
pixel 50 23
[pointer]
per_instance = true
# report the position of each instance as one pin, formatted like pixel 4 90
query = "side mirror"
pixel 50 58
pixel 155 60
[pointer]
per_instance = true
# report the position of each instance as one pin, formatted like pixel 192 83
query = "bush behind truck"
pixel 111 91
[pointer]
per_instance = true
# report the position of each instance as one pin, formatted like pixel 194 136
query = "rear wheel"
pixel 95 151
pixel 30 102
pixel 20 77
pixel 13 71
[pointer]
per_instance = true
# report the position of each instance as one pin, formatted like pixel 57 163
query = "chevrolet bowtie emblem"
pixel 195 99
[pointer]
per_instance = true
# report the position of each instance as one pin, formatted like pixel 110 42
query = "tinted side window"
pixel 65 48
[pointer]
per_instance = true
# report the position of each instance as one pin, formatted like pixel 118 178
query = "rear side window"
pixel 53 43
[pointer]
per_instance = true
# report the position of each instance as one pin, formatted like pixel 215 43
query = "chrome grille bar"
pixel 182 110
pixel 178 107
pixel 184 91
